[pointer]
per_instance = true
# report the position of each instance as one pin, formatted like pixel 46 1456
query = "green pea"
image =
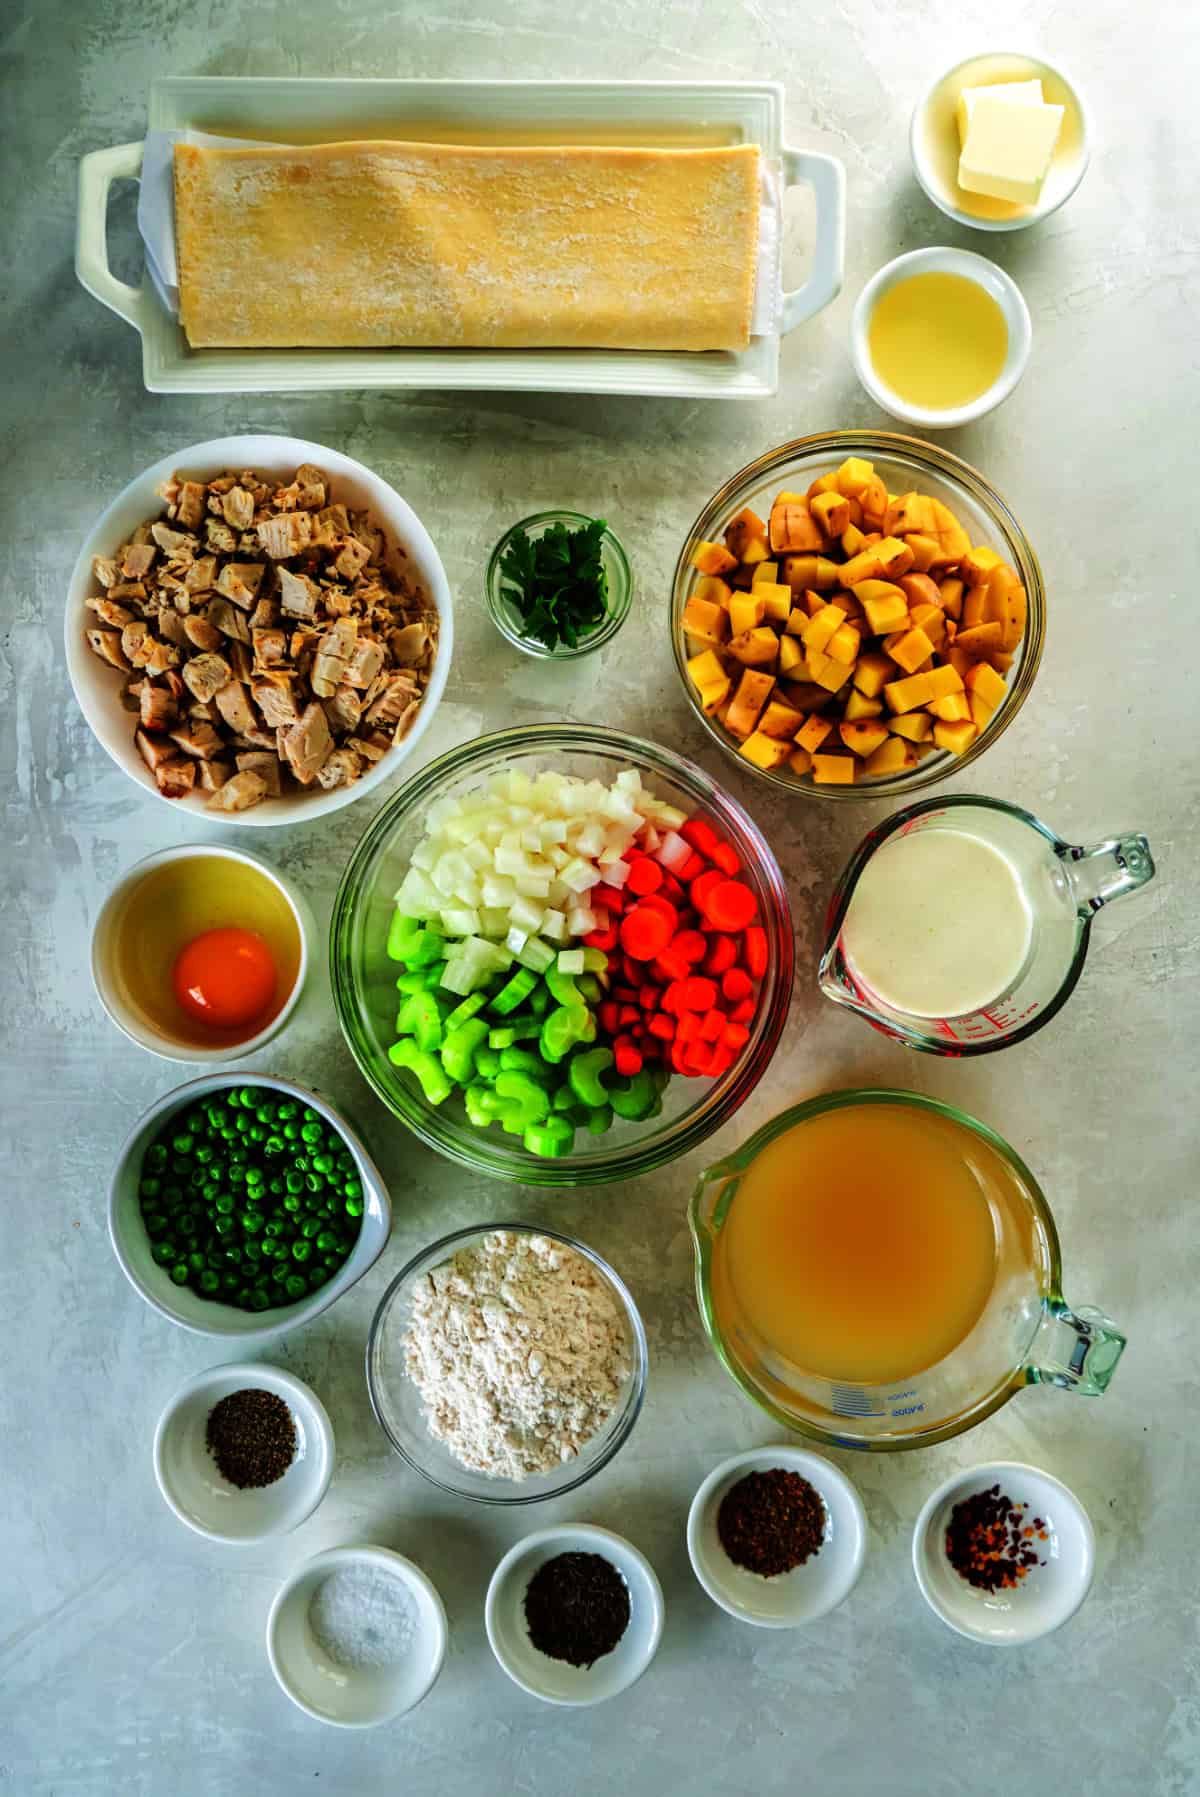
pixel 229 1280
pixel 259 1300
pixel 279 1271
pixel 250 1096
pixel 237 1155
pixel 291 1202
pixel 310 1227
pixel 311 1133
pixel 227 1132
pixel 225 1202
pixel 314 1182
pixel 187 1224
pixel 354 1207
pixel 255 1176
pixel 276 1188
pixel 327 1242
pixel 196 1261
pixel 256 1133
pixel 154 1222
pixel 163 1252
pixel 294 1182
pixel 242 1122
pixel 204 1154
pixel 182 1144
pixel 291 1132
pixel 273 1145
pixel 253 1250
pixel 179 1272
pixel 288 1109
pixel 156 1157
pixel 209 1281
pixel 211 1192
pixel 251 1221
pixel 301 1250
pixel 172 1194
pixel 275 1226
pixel 295 1286
pixel 222 1225
pixel 270 1247
pixel 353 1188
pixel 194 1121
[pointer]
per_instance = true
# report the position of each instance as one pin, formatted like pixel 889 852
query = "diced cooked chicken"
pixel 340 770
pixel 172 626
pixel 368 532
pixel 206 675
pixel 201 576
pixel 156 707
pixel 392 701
pixel 131 694
pixel 353 558
pixel 344 709
pixel 275 699
pixel 106 569
pixel 137 560
pixel 285 535
pixel 175 778
pixel 228 619
pixel 128 589
pixel 233 702
pixel 404 721
pixel 371 748
pixel 237 507
pixel 198 739
pixel 134 643
pixel 365 664
pixel 270 646
pixel 240 582
pixel 239 792
pixel 154 750
pixel 110 613
pixel 212 774
pixel 264 763
pixel 189 504
pixel 334 522
pixel 219 538
pixel 311 481
pixel 107 645
pixel 200 633
pixel 160 656
pixel 308 744
pixel 298 595
pixel 265 615
pixel 176 545
pixel 333 652
pixel 241 660
pixel 408 646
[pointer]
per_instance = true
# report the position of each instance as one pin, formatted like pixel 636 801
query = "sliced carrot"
pixel 736 985
pixel 699 994
pixel 730 905
pixel 756 951
pixel 645 931
pixel 662 1027
pixel 713 1026
pixel 605 939
pixel 727 858
pixel 691 944
pixel 702 836
pixel 744 1012
pixel 645 876
pixel 722 953
pixel 627 1057
pixel 701 887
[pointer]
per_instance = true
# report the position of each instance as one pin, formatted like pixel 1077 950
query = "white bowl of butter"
pixel 940 337
pixel 1008 153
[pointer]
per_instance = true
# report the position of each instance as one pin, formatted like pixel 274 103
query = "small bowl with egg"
pixel 201 954
pixel 940 337
pixel 1045 163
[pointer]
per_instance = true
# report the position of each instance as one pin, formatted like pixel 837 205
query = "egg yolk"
pixel 225 978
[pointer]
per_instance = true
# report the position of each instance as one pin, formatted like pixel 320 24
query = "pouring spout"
pixel 1077 1349
pixel 1107 871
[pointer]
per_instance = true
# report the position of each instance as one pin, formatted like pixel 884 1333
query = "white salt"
pixel 362 1617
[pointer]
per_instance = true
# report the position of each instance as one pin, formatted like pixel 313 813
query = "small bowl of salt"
pixel 357 1636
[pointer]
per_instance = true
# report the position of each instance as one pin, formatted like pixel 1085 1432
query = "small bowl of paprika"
pixel 1003 1553
pixel 777 1536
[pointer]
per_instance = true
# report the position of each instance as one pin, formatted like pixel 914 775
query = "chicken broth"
pixel 176 904
pixel 861 1245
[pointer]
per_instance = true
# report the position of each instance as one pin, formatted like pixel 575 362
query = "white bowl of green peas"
pixel 240 1208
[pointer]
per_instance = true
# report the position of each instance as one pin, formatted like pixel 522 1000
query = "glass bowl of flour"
pixel 507 1364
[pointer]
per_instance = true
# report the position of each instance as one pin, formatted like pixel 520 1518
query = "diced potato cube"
pixel 714 696
pixel 953 709
pixel 705 669
pixel 711 558
pixel 776 600
pixel 873 499
pixel 891 757
pixel 943 681
pixel 981 714
pixel 1001 661
pixel 745 611
pixel 780 720
pixel 951 591
pixel 764 571
pixel 1016 607
pixel 915 725
pixel 765 751
pixel 806 695
pixel 824 483
pixel 791 654
pixel 913 648
pixel 872 674
pixel 713 589
pixel 813 734
pixel 859 706
pixel 831 511
pixel 952 540
pixel 985 684
pixel 955 737
pixel 706 622
pixel 799 618
pixel 847 603
pixel 979 641
pixel 833 770
pixel 754 648
pixel 924 551
pixel 978 563
pixel 812 602
pixel 918 589
pixel 863 736
pixel 816 571
pixel 756 550
pixel 745 528
pixel 932 620
pixel 961 660
pixel 844 644
pixel 832 674
pixel 793 528
pixel 886 614
pixel 911 513
pixel 800 761
pixel 895 556
pixel 906 695
pixel 820 629
pixel 753 691
pixel 854 475
pixel 852 540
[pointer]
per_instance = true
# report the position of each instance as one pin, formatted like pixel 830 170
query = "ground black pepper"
pixel 989 1543
pixel 576 1608
pixel 251 1436
pixel 771 1521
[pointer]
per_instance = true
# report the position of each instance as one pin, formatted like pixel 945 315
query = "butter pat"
pixel 1008 149
pixel 1018 93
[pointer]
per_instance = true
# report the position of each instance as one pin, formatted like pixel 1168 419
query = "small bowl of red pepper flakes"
pixel 1004 1553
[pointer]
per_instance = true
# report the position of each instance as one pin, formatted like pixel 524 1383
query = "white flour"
pixel 519 1351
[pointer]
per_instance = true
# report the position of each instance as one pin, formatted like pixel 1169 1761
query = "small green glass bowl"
pixel 507 618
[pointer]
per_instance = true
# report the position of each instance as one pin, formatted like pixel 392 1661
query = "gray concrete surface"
pixel 131 1654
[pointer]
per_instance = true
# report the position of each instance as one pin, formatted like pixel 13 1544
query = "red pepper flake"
pixel 771 1521
pixel 987 1540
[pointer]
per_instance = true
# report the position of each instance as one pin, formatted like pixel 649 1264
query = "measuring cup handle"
pixel 1077 1349
pixel 1107 871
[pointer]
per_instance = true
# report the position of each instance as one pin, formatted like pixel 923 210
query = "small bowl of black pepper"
pixel 1003 1553
pixel 574 1614
pixel 243 1452
pixel 777 1536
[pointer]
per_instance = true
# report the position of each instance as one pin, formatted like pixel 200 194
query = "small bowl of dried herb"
pixel 574 1614
pixel 777 1536
pixel 1003 1553
pixel 559 585
pixel 244 1452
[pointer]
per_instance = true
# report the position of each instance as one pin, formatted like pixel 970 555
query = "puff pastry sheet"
pixel 439 245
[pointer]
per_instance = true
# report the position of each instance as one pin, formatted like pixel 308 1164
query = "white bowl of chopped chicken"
pixel 260 628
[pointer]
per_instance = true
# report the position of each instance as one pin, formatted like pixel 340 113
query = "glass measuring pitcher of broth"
pixel 878 1270
pixel 961 924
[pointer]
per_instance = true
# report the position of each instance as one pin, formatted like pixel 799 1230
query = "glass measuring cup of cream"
pixel 961 924
pixel 879 1270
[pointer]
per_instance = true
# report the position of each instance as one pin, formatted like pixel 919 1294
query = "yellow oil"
pixel 937 340
pixel 180 900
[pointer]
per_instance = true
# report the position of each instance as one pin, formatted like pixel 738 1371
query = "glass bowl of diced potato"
pixel 857 613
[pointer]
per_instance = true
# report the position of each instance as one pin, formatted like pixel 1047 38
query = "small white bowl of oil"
pixel 940 337
pixel 242 923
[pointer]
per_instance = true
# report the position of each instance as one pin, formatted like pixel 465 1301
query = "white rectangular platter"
pixel 291 110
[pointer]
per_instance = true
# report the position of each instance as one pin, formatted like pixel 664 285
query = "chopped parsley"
pixel 557 582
